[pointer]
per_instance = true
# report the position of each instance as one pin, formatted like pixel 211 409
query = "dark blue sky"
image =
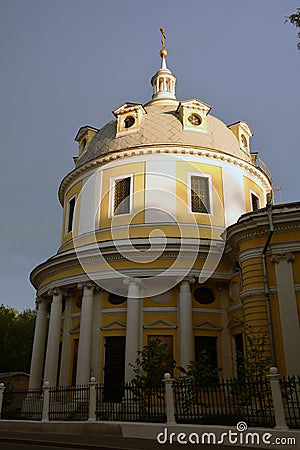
pixel 69 63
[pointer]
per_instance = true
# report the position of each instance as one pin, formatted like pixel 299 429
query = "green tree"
pixel 153 361
pixel 257 360
pixel 16 337
pixel 294 19
pixel 200 371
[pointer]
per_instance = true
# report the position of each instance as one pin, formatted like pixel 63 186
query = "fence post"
pixel 46 402
pixel 274 378
pixel 2 389
pixel 93 399
pixel 169 399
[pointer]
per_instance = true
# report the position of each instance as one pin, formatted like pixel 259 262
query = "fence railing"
pixel 267 402
pixel 225 402
pixel 290 387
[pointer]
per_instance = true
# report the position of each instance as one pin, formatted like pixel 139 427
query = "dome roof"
pixel 161 125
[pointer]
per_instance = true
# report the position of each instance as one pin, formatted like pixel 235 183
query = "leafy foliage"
pixel 200 371
pixel 294 19
pixel 257 361
pixel 16 337
pixel 153 361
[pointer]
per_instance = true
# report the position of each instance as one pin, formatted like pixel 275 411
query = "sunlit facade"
pixel 166 217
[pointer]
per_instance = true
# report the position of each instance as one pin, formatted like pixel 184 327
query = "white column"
pixel 186 338
pixel 289 317
pixel 85 336
pixel 96 334
pixel 51 363
pixel 132 325
pixel 65 351
pixel 39 342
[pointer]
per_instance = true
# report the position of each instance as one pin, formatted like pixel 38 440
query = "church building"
pixel 169 232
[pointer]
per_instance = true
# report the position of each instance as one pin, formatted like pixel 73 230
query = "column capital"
pixel 189 280
pixel 88 285
pixel 276 258
pixel 58 291
pixel 136 281
pixel 41 302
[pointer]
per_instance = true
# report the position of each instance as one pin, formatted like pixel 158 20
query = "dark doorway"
pixel 209 344
pixel 114 368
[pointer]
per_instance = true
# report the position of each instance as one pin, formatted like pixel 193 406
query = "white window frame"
pixel 200 175
pixel 258 198
pixel 68 214
pixel 112 195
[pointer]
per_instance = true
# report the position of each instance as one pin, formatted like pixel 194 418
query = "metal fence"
pixel 22 405
pixel 290 388
pixel 69 403
pixel 224 403
pixel 131 403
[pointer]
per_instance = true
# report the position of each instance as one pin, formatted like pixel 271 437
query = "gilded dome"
pixel 161 125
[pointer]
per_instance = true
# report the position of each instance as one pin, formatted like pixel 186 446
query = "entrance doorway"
pixel 114 368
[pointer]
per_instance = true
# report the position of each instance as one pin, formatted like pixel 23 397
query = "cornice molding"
pixel 256 225
pixel 162 149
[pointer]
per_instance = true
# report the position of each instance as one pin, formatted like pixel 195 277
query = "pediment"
pixel 160 324
pixel 207 325
pixel 195 104
pixel 114 325
pixel 234 323
pixel 127 107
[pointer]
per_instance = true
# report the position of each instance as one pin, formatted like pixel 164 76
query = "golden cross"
pixel 163 37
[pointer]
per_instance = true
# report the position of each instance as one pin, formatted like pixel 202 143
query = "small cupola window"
pixel 195 120
pixel 129 122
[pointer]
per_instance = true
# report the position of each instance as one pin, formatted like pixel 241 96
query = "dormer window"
pixel 129 117
pixel 84 137
pixel 193 115
pixel 243 133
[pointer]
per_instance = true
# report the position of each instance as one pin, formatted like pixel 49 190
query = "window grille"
pixel 122 196
pixel 71 214
pixel 200 201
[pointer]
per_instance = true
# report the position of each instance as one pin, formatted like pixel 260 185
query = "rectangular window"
pixel 200 198
pixel 254 202
pixel 121 204
pixel 71 208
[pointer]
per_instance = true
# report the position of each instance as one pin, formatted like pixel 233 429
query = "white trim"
pixel 112 194
pixel 210 188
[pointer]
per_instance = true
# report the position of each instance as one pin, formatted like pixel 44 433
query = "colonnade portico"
pixel 90 328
